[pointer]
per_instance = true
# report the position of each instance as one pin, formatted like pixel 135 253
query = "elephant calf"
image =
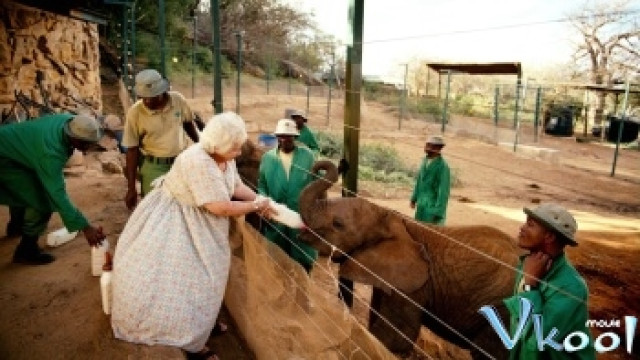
pixel 449 271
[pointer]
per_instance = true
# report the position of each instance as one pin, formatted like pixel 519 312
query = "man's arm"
pixel 131 198
pixel 190 129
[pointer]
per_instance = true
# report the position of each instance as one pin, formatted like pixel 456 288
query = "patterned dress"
pixel 172 260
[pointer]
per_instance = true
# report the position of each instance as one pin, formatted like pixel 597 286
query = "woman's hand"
pixel 263 207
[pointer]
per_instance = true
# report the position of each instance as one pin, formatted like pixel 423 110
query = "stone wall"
pixel 63 49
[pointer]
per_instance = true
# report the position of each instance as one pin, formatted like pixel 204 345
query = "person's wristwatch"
pixel 528 287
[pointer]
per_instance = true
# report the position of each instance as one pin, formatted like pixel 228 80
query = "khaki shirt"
pixel 158 133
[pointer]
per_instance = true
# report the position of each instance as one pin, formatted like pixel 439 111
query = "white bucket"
pixel 97 257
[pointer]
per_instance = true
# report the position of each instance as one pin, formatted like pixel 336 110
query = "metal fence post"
pixel 445 109
pixel 239 68
pixel 536 116
pixel 496 97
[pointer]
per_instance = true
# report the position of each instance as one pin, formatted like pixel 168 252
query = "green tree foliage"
pixel 271 31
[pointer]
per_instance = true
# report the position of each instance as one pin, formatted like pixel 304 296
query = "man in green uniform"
pixel 306 137
pixel 155 132
pixel 431 192
pixel 32 156
pixel 552 285
pixel 284 172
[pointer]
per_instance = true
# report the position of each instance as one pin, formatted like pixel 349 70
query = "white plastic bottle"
pixel 105 283
pixel 97 257
pixel 60 236
pixel 286 216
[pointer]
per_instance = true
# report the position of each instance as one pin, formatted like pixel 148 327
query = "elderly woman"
pixel 172 260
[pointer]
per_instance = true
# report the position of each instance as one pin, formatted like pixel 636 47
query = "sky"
pixel 395 32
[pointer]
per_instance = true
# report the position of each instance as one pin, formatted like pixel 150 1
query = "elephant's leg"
pixel 404 316
pixel 487 339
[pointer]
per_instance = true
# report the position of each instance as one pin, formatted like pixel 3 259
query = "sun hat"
pixel 149 83
pixel 286 127
pixel 83 127
pixel 290 113
pixel 436 140
pixel 556 218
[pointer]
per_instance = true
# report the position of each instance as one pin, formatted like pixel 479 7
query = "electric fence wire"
pixel 390 286
pixel 308 294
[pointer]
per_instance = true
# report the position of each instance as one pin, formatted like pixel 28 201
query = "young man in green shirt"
pixel 32 157
pixel 284 172
pixel 433 184
pixel 551 285
pixel 306 137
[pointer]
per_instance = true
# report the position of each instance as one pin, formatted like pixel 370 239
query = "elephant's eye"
pixel 338 224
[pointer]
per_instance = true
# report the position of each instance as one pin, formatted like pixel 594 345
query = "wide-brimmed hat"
pixel 436 140
pixel 290 113
pixel 556 218
pixel 83 127
pixel 149 83
pixel 286 127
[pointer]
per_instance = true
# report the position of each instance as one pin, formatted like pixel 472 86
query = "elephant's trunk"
pixel 312 195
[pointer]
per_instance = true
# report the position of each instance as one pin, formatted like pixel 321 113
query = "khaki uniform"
pixel 158 133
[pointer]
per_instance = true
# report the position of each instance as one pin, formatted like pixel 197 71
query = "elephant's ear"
pixel 401 263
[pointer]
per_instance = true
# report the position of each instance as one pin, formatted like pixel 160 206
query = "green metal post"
pixel 536 116
pixel 239 69
pixel 624 114
pixel 133 47
pixel 161 27
pixel 125 47
pixel 289 79
pixel 517 107
pixel 268 76
pixel 333 64
pixel 308 94
pixel 445 115
pixel 403 96
pixel 516 124
pixel 496 98
pixel 353 83
pixel 217 63
pixel 193 55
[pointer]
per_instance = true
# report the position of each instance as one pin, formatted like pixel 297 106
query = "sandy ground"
pixel 54 311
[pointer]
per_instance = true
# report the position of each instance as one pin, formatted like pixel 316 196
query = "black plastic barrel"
pixel 630 129
pixel 558 120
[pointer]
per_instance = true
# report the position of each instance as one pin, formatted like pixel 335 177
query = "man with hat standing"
pixel 431 192
pixel 551 285
pixel 306 137
pixel 154 132
pixel 32 157
pixel 284 171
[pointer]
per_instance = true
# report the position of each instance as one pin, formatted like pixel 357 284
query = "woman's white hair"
pixel 222 132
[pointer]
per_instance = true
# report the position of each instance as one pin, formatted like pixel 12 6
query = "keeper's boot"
pixel 14 229
pixel 28 252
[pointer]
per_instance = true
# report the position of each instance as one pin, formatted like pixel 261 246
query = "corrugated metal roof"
pixel 514 68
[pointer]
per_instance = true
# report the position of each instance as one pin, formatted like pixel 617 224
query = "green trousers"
pixel 286 239
pixel 34 222
pixel 21 190
pixel 150 171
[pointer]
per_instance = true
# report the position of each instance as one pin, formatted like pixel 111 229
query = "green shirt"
pixel 32 156
pixel 431 192
pixel 273 181
pixel 561 299
pixel 308 139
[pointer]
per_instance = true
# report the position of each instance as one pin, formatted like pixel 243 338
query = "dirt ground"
pixel 54 311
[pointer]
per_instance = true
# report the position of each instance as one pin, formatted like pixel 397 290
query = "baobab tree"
pixel 610 49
